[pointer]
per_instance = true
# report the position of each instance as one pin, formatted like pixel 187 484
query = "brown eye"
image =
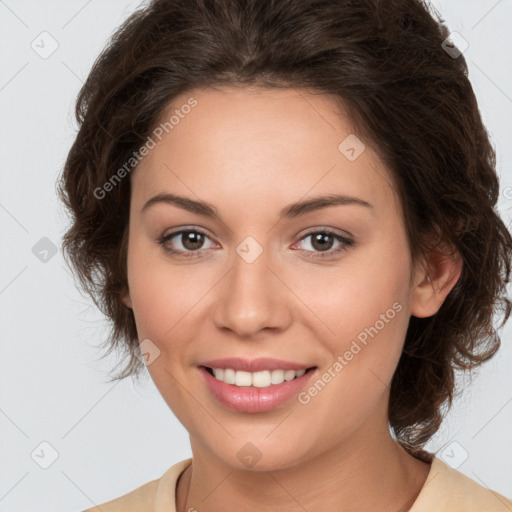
pixel 321 243
pixel 192 240
pixel 186 242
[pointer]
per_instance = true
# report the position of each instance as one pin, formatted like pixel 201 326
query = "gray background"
pixel 112 438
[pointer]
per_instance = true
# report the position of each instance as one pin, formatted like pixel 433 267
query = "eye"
pixel 190 240
pixel 322 242
pixel 191 243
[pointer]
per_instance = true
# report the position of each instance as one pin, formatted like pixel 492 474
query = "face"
pixel 324 286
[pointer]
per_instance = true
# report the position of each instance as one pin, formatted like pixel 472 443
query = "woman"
pixel 288 211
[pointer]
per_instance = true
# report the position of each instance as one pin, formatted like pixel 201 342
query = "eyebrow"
pixel 288 212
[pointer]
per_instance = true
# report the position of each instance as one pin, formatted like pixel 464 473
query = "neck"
pixel 366 472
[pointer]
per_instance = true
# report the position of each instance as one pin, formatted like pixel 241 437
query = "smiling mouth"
pixel 260 379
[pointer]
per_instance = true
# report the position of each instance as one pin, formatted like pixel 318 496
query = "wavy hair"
pixel 385 63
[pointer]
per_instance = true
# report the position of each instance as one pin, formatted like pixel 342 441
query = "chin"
pixel 261 456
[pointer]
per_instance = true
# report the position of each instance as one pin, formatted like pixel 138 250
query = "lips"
pixel 255 398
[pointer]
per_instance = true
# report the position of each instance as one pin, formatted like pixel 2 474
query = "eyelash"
pixel 346 243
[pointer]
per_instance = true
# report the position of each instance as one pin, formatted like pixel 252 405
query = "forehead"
pixel 248 144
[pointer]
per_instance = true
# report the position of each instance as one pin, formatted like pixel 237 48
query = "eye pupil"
pixel 322 238
pixel 194 238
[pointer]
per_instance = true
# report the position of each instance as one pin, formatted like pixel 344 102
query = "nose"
pixel 252 297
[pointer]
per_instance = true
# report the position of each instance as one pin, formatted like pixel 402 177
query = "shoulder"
pixel 154 496
pixel 140 499
pixel 447 489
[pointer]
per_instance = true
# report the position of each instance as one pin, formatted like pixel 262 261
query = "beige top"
pixel 445 490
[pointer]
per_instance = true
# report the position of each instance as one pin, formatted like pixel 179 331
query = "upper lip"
pixel 254 365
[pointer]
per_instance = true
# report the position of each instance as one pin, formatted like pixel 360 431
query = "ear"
pixel 126 299
pixel 433 281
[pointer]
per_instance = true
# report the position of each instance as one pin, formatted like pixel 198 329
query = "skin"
pixel 251 152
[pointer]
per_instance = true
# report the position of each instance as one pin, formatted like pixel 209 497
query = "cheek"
pixel 150 293
pixel 355 297
pixel 163 299
pixel 363 314
pixel 150 302
pixel 166 297
pixel 367 318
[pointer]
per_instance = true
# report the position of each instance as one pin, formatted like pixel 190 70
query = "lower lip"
pixel 251 398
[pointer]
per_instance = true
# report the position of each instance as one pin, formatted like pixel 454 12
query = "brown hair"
pixel 384 62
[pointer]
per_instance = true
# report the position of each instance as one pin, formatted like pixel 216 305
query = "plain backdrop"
pixel 102 440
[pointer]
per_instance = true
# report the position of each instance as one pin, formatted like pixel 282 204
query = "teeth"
pixel 261 379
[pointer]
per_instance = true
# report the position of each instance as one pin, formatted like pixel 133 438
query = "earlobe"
pixel 126 299
pixel 434 282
